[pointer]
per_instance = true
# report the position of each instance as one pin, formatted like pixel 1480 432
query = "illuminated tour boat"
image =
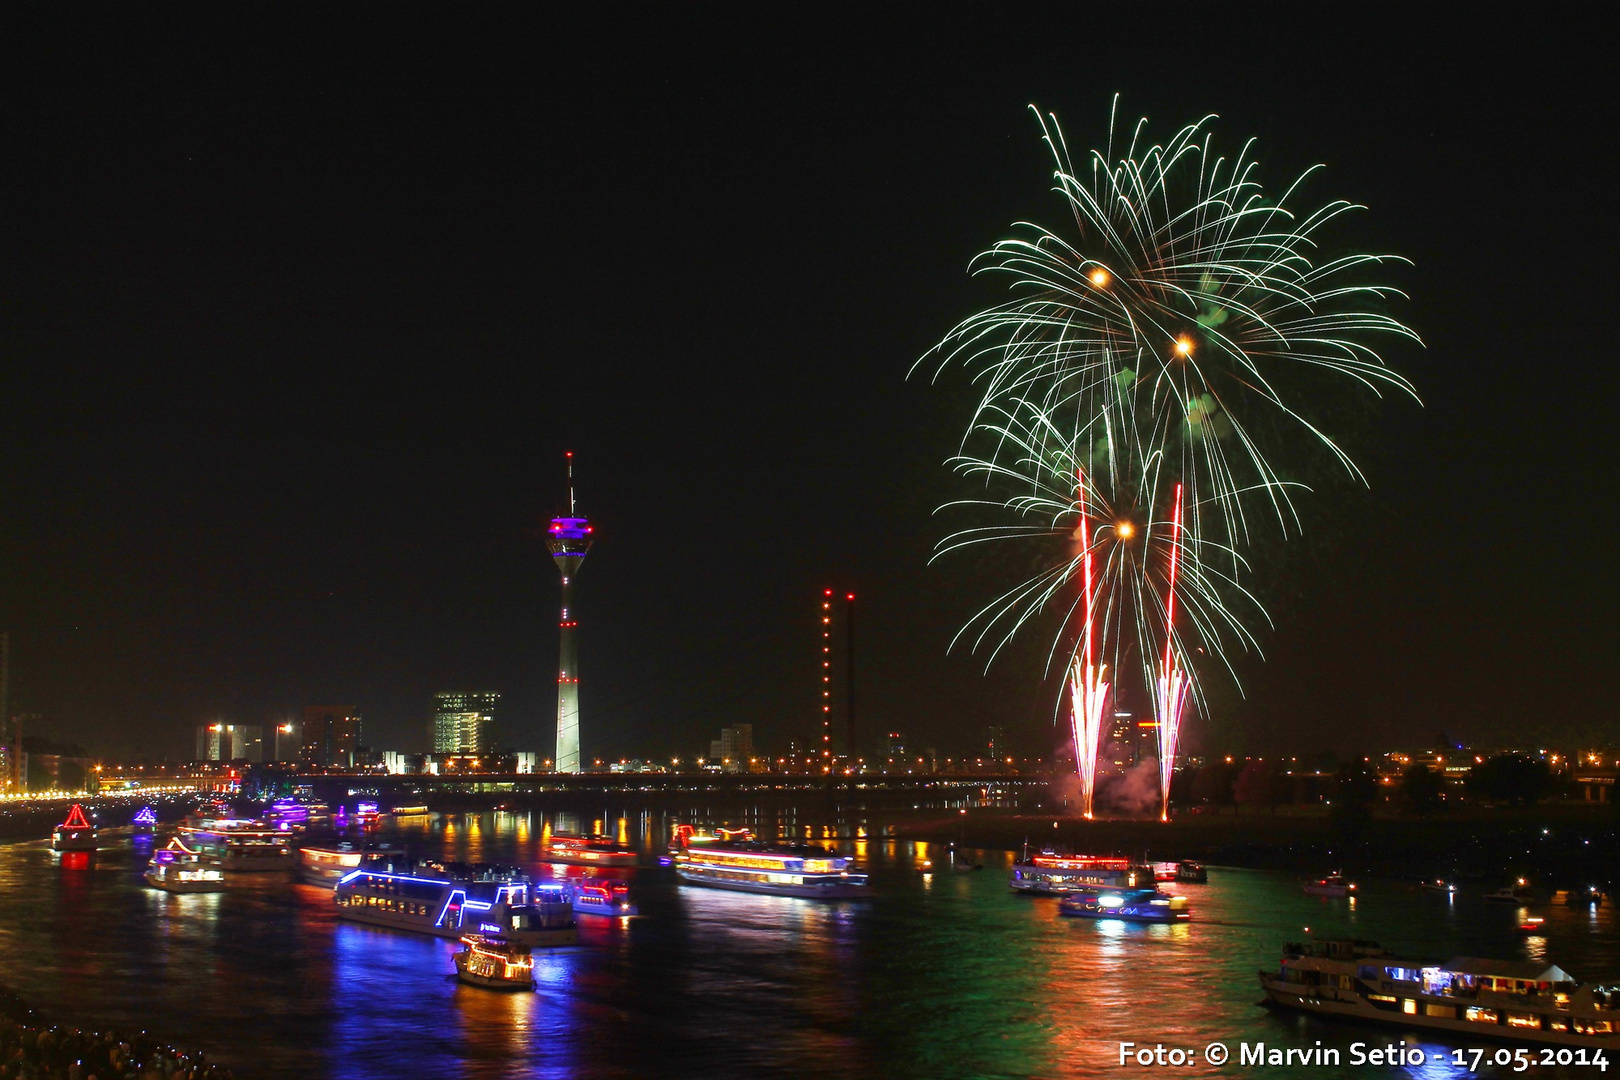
pixel 595 850
pixel 324 863
pixel 609 898
pixel 1133 905
pixel 74 834
pixel 451 901
pixel 178 869
pixel 1332 885
pixel 779 871
pixel 1190 872
pixel 145 820
pixel 1506 1000
pixel 495 963
pixel 239 845
pixel 1048 874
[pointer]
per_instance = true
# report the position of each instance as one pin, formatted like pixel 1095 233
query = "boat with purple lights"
pixel 451 900
pixel 178 869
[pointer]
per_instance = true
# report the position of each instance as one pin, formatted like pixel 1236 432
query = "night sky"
pixel 301 306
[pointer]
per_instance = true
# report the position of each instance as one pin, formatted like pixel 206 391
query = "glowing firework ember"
pixel 1146 353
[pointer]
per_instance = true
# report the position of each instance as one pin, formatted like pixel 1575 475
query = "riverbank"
pixel 32 1047
pixel 1557 845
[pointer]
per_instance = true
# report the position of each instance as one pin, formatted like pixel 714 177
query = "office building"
pixel 331 736
pixel 463 722
pixel 230 742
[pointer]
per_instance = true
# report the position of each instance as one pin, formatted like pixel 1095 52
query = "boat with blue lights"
pixel 1516 1001
pixel 495 963
pixel 76 833
pixel 452 900
pixel 145 820
pixel 607 898
pixel 1132 905
pixel 1051 874
pixel 797 870
pixel 179 869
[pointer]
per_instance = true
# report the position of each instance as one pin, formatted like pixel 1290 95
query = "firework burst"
pixel 1127 396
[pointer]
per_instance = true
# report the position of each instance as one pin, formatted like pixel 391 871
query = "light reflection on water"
pixel 942 974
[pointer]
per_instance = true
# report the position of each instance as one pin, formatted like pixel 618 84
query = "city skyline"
pixel 295 360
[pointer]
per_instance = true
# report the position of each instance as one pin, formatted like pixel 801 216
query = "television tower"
pixel 569 539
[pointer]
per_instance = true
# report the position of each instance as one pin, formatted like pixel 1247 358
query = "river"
pixel 939 975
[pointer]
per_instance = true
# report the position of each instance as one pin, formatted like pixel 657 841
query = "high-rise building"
pixel 331 736
pixel 289 740
pixel 463 722
pixel 230 742
pixel 734 749
pixel 569 539
pixel 10 735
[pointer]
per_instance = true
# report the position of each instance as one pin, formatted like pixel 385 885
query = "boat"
pixel 792 870
pixel 324 862
pixel 1190 872
pixel 1591 896
pixel 1533 925
pixel 1332 885
pixel 178 869
pixel 238 845
pixel 145 820
pixel 1517 893
pixel 589 850
pixel 1133 905
pixel 1440 885
pixel 1509 1000
pixel 409 811
pixel 1050 874
pixel 1163 871
pixel 609 898
pixel 495 963
pixel 450 900
pixel 76 833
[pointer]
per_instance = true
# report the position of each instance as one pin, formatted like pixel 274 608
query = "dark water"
pixel 944 975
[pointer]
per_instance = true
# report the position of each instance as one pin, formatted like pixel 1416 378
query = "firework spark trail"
pixel 1089 691
pixel 1172 685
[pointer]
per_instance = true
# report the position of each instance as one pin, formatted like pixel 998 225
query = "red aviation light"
pixel 851 596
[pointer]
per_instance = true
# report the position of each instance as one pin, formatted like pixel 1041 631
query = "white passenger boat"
pixel 1504 1000
pixel 239 845
pixel 1332 885
pixel 449 900
pixel 324 862
pixel 1050 874
pixel 495 963
pixel 178 869
pixel 592 850
pixel 805 871
pixel 1517 893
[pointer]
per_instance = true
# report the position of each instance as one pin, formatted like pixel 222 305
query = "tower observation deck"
pixel 569 539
